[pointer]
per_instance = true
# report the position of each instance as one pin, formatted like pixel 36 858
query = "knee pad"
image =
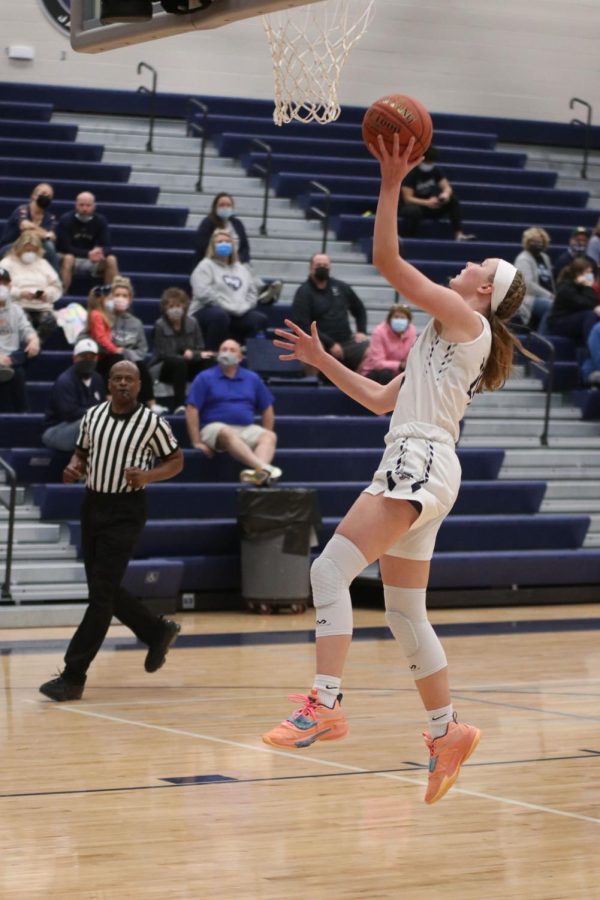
pixel 406 615
pixel 331 576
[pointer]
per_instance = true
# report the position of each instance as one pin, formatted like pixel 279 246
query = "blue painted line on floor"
pixel 373 633
pixel 196 780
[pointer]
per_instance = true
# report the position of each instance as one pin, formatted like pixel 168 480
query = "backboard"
pixel 88 35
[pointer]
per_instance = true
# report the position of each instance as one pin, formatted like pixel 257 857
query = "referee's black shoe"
pixel 157 651
pixel 60 689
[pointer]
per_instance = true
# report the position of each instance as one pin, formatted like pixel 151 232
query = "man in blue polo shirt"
pixel 220 410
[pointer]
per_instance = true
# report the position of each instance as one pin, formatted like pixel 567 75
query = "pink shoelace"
pixel 307 708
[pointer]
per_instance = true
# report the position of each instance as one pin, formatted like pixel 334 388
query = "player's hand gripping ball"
pixel 404 116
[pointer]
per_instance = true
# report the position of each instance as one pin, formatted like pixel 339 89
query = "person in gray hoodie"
pixel 224 295
pixel 18 341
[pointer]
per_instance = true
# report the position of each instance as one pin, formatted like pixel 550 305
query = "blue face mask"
pixel 224 212
pixel 399 325
pixel 223 248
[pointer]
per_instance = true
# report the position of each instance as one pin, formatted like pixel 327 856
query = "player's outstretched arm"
pixel 442 303
pixel 307 348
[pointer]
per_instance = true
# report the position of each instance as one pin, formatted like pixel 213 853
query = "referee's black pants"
pixel 110 527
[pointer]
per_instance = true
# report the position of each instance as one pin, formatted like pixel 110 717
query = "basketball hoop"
pixel 309 46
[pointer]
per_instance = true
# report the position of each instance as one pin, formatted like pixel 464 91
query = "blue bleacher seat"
pixel 220 500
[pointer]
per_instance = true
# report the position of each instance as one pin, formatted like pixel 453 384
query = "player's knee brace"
pixel 331 576
pixel 406 615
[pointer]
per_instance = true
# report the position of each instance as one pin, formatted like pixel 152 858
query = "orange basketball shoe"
pixel 446 756
pixel 309 723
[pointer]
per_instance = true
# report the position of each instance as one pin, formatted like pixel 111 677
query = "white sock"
pixel 328 688
pixel 439 720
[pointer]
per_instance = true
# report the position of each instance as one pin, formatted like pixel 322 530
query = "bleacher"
pixel 495 536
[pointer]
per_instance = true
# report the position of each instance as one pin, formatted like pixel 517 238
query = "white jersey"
pixel 440 381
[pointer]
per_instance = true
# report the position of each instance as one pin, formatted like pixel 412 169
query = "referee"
pixel 118 443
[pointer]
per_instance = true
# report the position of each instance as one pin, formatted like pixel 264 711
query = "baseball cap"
pixel 581 229
pixel 4 275
pixel 85 345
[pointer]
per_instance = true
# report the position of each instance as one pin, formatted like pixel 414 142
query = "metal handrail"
pixel 265 171
pixel 152 93
pixel 587 127
pixel 324 216
pixel 547 369
pixel 195 128
pixel 10 506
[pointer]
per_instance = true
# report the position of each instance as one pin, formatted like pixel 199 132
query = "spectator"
pixel 224 295
pixel 221 406
pixel 222 216
pixel 35 284
pixel 577 247
pixel 100 327
pixel 18 341
pixel 74 392
pixel 427 194
pixel 83 239
pixel 390 345
pixel 129 336
pixel 593 248
pixel 576 308
pixel 534 263
pixel 36 218
pixel 327 301
pixel 179 353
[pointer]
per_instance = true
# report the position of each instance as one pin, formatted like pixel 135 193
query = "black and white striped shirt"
pixel 116 442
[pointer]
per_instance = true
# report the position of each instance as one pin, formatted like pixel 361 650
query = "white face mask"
pixel 120 304
pixel 586 278
pixel 109 305
pixel 227 358
pixel 4 292
pixel 28 257
pixel 426 167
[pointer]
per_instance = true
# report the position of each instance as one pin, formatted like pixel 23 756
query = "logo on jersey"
pixel 59 13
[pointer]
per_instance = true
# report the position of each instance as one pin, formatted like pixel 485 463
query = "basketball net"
pixel 309 46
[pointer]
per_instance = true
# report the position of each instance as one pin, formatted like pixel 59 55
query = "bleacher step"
pixel 32 533
pixel 5 494
pixel 23 512
pixel 48 572
pixel 40 551
pixel 559 490
pixel 36 614
pixel 491 428
pixel 508 442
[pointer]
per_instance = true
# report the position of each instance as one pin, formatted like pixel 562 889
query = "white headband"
pixel 503 279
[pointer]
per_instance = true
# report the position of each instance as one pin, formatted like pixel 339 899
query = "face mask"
pixel 322 273
pixel 175 314
pixel 85 367
pixel 224 212
pixel 109 305
pixel 120 304
pixel 223 248
pixel 43 200
pixel 586 278
pixel 399 325
pixel 83 218
pixel 28 257
pixel 4 292
pixel 426 167
pixel 227 358
pixel 535 246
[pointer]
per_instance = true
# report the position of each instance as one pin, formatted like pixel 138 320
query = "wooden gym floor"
pixel 158 786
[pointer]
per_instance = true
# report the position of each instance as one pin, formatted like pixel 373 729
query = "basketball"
pixel 397 114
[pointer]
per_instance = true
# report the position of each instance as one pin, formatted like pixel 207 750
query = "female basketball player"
pixel 464 349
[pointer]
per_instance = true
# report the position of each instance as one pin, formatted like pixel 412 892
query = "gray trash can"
pixel 278 527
